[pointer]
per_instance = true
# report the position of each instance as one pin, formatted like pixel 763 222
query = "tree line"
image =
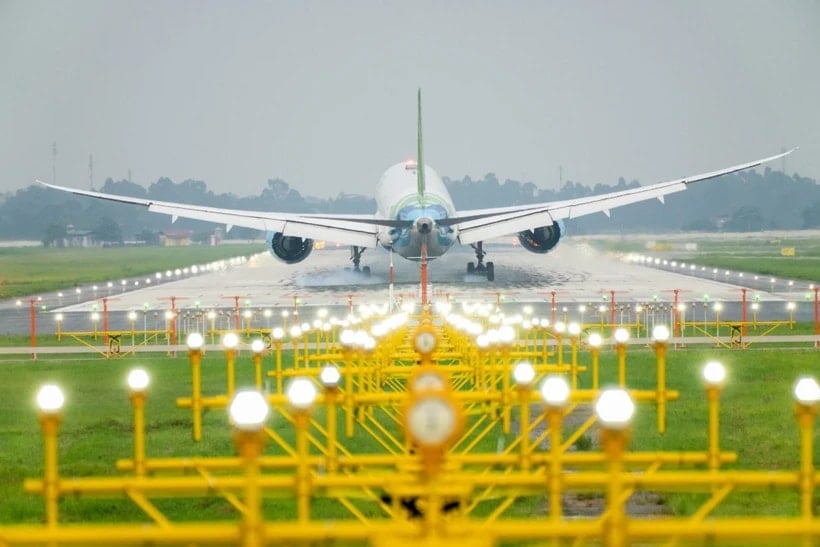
pixel 746 201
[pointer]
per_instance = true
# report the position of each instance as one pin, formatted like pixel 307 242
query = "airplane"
pixel 415 208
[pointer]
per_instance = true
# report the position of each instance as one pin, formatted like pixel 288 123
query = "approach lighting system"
pixel 523 373
pixel 806 391
pixel 230 340
pixel 614 408
pixel 249 410
pixel 425 341
pixel 621 335
pixel 50 399
pixel 428 380
pixel 138 380
pixel 714 373
pixel 595 340
pixel 660 333
pixel 195 340
pixel 555 391
pixel 330 376
pixel 431 421
pixel 257 346
pixel 301 393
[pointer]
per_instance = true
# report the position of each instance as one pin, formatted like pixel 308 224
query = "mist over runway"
pixel 576 272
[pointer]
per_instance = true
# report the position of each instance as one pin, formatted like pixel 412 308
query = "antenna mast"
pixel 54 162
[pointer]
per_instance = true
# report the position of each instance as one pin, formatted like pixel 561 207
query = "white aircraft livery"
pixel 415 213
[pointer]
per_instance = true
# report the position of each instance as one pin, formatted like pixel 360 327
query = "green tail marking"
pixel 420 159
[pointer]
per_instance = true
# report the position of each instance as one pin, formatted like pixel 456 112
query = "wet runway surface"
pixel 578 274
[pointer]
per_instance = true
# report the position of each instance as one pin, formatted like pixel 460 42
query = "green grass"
pixel 753 252
pixel 757 422
pixel 35 270
pixel 805 268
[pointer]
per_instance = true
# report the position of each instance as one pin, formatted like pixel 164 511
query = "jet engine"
pixel 289 249
pixel 541 240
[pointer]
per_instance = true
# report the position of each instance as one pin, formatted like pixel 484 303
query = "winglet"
pixel 420 159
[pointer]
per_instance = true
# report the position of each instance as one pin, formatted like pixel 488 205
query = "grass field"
pixel 757 252
pixel 35 270
pixel 757 422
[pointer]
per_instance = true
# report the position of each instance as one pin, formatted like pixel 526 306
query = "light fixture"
pixel 301 393
pixel 230 340
pixel 330 376
pixel 523 373
pixel 195 340
pixel 138 380
pixel 714 373
pixel 50 399
pixel 249 410
pixel 660 333
pixel 614 408
pixel 555 391
pixel 806 391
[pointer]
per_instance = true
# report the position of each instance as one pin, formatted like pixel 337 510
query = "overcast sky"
pixel 323 94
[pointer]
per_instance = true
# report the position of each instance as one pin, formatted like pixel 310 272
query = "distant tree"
pixel 107 231
pixel 811 215
pixel 746 219
pixel 149 237
pixel 699 225
pixel 54 234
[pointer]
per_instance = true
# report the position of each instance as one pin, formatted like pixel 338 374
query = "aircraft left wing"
pixel 482 224
pixel 359 230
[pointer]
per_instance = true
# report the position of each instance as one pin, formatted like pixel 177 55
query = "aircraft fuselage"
pixel 398 198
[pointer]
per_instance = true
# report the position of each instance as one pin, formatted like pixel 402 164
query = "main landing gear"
pixel 478 267
pixel 356 258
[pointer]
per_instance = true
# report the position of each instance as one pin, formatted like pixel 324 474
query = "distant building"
pixel 176 238
pixel 215 238
pixel 77 238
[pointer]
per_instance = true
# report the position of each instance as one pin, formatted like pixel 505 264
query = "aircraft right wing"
pixel 481 224
pixel 359 230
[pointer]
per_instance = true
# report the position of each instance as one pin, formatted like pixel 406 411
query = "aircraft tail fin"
pixel 420 158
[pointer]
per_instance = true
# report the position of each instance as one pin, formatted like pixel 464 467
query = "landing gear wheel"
pixel 366 271
pixel 356 257
pixel 480 268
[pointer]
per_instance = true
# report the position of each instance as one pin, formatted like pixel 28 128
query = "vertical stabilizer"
pixel 420 159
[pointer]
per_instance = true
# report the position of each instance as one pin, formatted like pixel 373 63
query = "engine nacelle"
pixel 542 240
pixel 288 249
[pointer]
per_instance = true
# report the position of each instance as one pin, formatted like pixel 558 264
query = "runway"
pixel 576 273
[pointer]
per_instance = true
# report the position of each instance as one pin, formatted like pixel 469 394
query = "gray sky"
pixel 322 94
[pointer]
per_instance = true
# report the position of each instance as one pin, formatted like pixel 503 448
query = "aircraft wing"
pixel 359 230
pixel 481 224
